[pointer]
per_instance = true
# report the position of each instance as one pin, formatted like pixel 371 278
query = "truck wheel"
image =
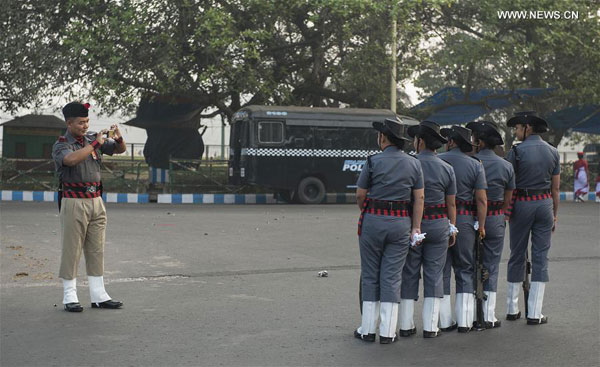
pixel 311 190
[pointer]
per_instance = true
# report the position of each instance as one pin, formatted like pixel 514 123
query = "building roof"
pixel 45 121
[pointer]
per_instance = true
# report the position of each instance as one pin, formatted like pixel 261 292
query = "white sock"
pixel 536 300
pixel 446 319
pixel 97 292
pixel 389 319
pixel 512 298
pixel 431 312
pixel 489 307
pixel 370 315
pixel 407 310
pixel 70 291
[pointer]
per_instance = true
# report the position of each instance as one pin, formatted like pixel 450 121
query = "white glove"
pixel 417 238
pixel 453 228
pixel 476 225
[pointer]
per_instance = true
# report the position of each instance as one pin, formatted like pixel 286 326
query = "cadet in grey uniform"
pixel 470 184
pixel 385 228
pixel 77 156
pixel 440 191
pixel 500 178
pixel 537 171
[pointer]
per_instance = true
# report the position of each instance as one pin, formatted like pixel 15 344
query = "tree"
pixel 477 49
pixel 32 63
pixel 218 54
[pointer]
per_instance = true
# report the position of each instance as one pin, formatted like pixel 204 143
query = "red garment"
pixel 580 163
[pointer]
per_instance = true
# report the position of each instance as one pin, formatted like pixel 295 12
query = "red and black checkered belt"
pixel 495 208
pixel 384 207
pixel 435 212
pixel 465 208
pixel 82 190
pixel 527 195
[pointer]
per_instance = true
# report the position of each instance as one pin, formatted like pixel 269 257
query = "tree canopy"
pixel 224 54
pixel 477 49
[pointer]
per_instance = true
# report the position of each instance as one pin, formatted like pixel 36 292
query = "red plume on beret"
pixel 87 106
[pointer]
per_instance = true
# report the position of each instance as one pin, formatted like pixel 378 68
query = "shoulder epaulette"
pixel 62 139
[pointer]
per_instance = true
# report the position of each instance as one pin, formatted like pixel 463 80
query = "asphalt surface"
pixel 238 286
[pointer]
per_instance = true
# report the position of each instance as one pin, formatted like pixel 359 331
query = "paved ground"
pixel 238 286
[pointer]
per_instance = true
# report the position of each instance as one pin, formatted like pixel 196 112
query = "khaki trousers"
pixel 83 224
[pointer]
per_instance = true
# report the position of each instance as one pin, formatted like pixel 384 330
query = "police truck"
pixel 301 153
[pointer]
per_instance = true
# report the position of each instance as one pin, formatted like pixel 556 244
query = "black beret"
pixel 75 109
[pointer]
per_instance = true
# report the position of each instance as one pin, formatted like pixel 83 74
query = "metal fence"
pixel 211 151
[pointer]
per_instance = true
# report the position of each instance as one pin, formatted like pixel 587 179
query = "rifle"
pixel 481 275
pixel 360 293
pixel 526 281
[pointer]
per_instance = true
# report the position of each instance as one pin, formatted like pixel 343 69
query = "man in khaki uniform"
pixel 77 156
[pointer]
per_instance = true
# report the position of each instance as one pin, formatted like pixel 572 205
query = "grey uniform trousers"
pixel 493 243
pixel 460 257
pixel 431 253
pixel 383 243
pixel 535 218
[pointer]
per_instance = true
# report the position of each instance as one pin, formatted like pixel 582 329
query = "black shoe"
pixel 492 325
pixel 366 338
pixel 386 340
pixel 449 328
pixel 543 320
pixel 513 316
pixel 431 334
pixel 407 333
pixel 107 304
pixel 462 329
pixel 73 307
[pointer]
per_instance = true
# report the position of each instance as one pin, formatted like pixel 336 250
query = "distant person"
pixel 77 156
pixel 533 213
pixel 581 172
pixel 598 188
pixel 387 186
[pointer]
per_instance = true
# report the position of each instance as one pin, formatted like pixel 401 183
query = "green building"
pixel 31 136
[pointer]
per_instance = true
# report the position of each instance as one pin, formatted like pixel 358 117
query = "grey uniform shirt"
pixel 469 173
pixel 439 178
pixel 499 174
pixel 89 169
pixel 394 174
pixel 538 162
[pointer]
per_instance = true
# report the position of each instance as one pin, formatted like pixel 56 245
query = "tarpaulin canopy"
pixel 583 119
pixel 452 106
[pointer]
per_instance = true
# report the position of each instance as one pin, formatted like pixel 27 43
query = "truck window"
pixel 270 132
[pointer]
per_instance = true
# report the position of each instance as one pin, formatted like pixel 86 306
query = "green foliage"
pixel 224 54
pixel 219 54
pixel 476 49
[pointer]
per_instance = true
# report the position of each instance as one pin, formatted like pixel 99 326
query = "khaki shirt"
pixel 89 169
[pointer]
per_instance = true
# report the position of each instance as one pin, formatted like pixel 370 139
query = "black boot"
pixel 514 316
pixel 107 304
pixel 366 338
pixel 73 307
pixel 407 333
pixel 543 320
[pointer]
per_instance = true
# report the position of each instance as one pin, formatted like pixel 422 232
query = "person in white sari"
pixel 581 172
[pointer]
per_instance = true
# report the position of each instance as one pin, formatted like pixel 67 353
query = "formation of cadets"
pixel 424 215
